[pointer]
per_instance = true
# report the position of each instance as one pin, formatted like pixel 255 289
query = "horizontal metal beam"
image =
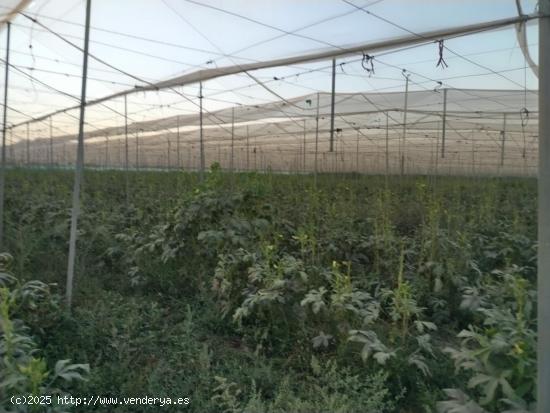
pixel 208 74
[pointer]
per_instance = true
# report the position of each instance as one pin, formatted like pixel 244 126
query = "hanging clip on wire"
pixel 441 60
pixel 524 115
pixel 439 85
pixel 368 63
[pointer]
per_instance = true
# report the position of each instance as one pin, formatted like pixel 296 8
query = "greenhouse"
pixel 315 206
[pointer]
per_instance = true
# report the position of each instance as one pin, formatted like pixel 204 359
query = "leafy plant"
pixel 23 370
pixel 499 352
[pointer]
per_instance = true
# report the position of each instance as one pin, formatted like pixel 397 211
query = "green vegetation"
pixel 263 293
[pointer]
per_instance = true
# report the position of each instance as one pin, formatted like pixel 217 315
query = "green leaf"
pixel 71 372
pixel 419 362
pixel 322 340
pixel 382 357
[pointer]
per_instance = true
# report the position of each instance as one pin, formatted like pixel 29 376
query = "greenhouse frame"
pixel 415 101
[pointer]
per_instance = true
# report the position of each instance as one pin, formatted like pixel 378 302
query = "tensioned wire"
pixel 313 70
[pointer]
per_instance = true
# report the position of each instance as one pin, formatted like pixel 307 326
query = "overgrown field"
pixel 266 293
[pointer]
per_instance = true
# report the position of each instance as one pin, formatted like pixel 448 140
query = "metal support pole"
pixel 231 164
pixel 126 135
pixel 444 126
pixel 304 149
pixel 543 301
pixel 51 144
pixel 79 162
pixel 387 144
pixel 4 126
pixel 201 139
pixel 28 145
pixel 247 150
pixel 12 148
pixel 404 124
pixel 178 142
pixel 357 153
pixel 473 155
pixel 137 150
pixel 332 104
pixel 106 151
pixel 316 140
pixel 437 149
pixel 503 136
pixel 126 164
pixel 169 149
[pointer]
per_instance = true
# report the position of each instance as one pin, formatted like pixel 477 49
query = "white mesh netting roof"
pixel 478 115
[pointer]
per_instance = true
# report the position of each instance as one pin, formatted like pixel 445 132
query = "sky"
pixel 153 40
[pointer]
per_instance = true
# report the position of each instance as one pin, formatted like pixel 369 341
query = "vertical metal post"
pixel 357 153
pixel 304 149
pixel 263 163
pixel 524 151
pixel 11 148
pixel 437 149
pixel 404 124
pixel 332 104
pixel 543 301
pixel 503 136
pixel 4 126
pixel 106 152
pixel 137 149
pixel 473 155
pixel 126 163
pixel 429 169
pixel 444 126
pixel 28 145
pixel 387 144
pixel 178 141
pixel 51 144
pixel 201 139
pixel 231 165
pixel 126 135
pixel 247 150
pixel 316 140
pixel 168 150
pixel 79 162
